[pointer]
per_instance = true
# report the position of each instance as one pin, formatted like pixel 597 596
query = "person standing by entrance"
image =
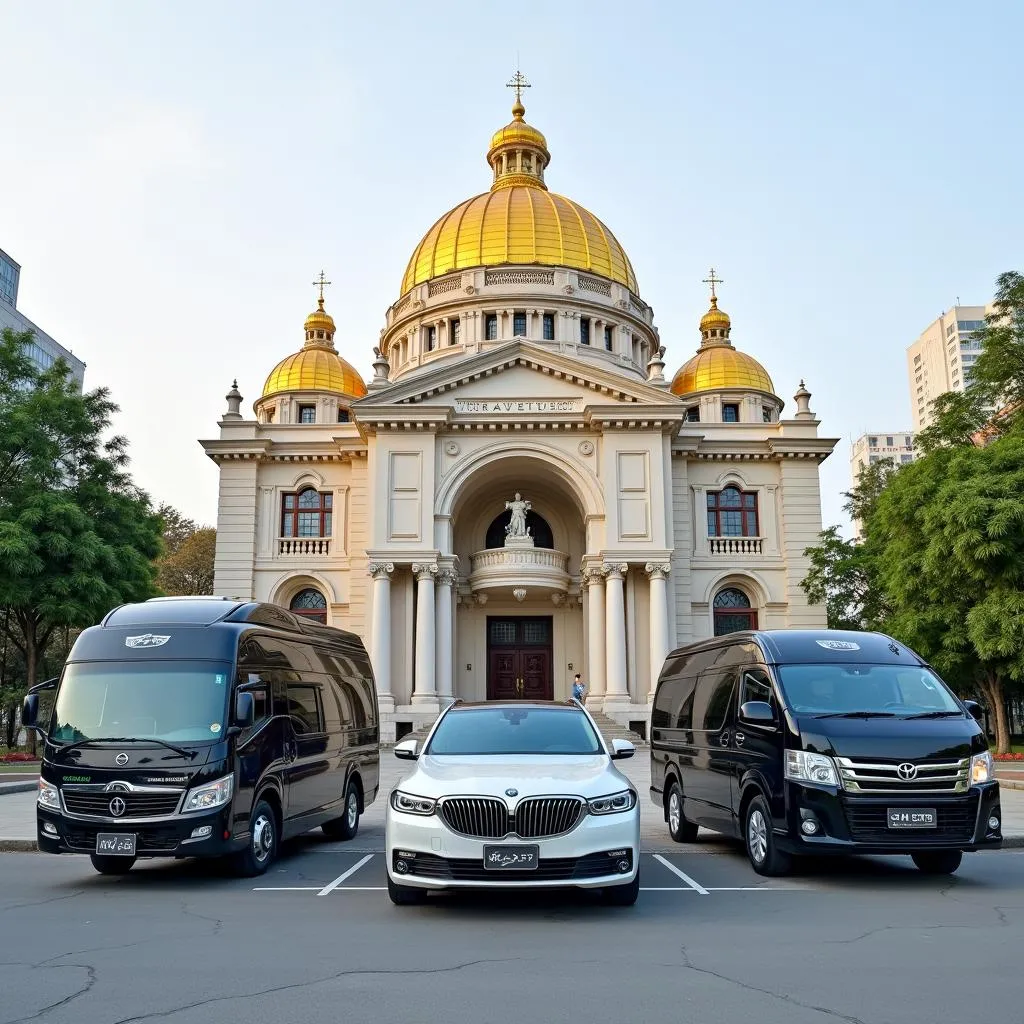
pixel 579 691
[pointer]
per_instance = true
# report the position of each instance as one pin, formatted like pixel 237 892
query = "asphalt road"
pixel 316 939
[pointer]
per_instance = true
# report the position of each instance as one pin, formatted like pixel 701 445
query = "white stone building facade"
pixel 520 363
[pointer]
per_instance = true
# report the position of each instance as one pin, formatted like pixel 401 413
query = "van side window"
pixel 304 708
pixel 673 705
pixel 716 690
pixel 755 685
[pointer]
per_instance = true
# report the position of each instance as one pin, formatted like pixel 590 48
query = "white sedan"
pixel 510 795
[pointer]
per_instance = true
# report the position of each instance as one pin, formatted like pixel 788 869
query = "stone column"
pixel 615 626
pixel 380 630
pixel 658 572
pixel 425 691
pixel 445 611
pixel 596 653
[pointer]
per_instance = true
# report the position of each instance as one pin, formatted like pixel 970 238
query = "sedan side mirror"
pixel 407 750
pixel 757 712
pixel 976 710
pixel 245 710
pixel 621 749
pixel 30 711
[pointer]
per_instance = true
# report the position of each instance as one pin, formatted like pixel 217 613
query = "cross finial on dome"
pixel 519 83
pixel 319 283
pixel 712 280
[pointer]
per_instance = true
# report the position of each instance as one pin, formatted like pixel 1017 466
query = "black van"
pixel 820 741
pixel 205 727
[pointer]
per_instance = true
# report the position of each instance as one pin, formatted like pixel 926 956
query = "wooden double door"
pixel 519 658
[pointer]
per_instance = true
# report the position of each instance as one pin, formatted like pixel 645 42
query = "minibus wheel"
pixel 681 830
pixel 345 827
pixel 765 857
pixel 261 850
pixel 112 865
pixel 938 862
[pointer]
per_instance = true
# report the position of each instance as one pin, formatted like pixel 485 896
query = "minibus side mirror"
pixel 976 710
pixel 757 712
pixel 245 710
pixel 407 750
pixel 30 711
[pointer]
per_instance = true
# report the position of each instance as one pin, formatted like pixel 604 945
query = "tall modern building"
pixel 43 350
pixel 941 359
pixel 897 445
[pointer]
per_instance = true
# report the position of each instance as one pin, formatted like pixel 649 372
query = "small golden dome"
pixel 316 368
pixel 714 317
pixel 519 132
pixel 718 367
pixel 319 319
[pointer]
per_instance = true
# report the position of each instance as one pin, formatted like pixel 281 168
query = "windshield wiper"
pixel 857 714
pixel 127 739
pixel 936 714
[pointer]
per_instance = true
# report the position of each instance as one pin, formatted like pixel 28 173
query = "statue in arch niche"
pixel 516 533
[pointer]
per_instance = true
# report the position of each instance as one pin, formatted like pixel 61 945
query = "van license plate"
pixel 115 844
pixel 511 858
pixel 912 817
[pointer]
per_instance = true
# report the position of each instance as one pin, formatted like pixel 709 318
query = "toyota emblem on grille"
pixel 121 758
pixel 511 792
pixel 117 806
pixel 906 771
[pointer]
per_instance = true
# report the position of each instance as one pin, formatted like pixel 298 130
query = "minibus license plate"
pixel 511 858
pixel 118 844
pixel 912 817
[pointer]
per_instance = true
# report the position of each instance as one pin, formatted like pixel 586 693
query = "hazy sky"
pixel 174 175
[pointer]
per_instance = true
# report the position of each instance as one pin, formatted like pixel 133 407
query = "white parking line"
pixel 681 874
pixel 331 886
pixel 286 888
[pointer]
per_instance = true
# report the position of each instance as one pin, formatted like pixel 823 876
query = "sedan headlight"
pixel 409 804
pixel 213 794
pixel 614 803
pixel 49 796
pixel 802 766
pixel 981 768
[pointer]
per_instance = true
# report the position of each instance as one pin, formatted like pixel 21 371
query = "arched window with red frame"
pixel 307 513
pixel 310 604
pixel 733 612
pixel 732 513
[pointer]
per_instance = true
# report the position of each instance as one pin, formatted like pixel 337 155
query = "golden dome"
pixel 721 367
pixel 714 317
pixel 319 320
pixel 519 221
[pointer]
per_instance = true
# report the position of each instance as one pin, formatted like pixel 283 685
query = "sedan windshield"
pixel 852 690
pixel 504 730
pixel 173 701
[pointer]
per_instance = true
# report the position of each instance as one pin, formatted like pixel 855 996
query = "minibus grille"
pixel 882 775
pixel 137 803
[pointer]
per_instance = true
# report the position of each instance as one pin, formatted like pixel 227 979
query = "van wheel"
pixel 261 851
pixel 112 865
pixel 764 855
pixel 404 895
pixel 938 862
pixel 345 827
pixel 681 830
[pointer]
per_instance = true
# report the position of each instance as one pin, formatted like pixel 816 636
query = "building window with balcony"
pixel 549 326
pixel 584 330
pixel 730 413
pixel 455 332
pixel 491 327
pixel 536 525
pixel 310 604
pixel 308 513
pixel 733 612
pixel 732 513
pixel 519 323
pixel 307 414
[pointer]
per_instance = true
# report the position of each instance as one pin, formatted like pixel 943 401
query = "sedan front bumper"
pixel 602 850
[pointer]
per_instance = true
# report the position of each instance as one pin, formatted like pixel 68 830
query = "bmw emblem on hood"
pixel 511 792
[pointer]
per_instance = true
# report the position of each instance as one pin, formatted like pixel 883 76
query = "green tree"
pixel 188 569
pixel 77 537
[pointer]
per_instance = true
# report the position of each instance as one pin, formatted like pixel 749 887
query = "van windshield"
pixel 897 690
pixel 173 701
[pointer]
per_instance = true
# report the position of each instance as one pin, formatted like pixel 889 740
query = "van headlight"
pixel 409 804
pixel 982 768
pixel 615 803
pixel 213 794
pixel 802 766
pixel 48 796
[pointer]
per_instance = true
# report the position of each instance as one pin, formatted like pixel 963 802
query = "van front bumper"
pixel 847 824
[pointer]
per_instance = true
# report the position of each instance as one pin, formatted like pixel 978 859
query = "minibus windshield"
pixel 866 690
pixel 172 701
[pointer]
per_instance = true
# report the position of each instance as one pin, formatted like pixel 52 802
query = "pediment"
pixel 517 378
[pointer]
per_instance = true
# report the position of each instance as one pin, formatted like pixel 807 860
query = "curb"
pixel 17 787
pixel 18 846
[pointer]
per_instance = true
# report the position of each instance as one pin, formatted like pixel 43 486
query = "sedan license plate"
pixel 115 844
pixel 912 817
pixel 511 858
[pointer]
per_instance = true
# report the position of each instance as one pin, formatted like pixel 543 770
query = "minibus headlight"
pixel 981 768
pixel 802 766
pixel 48 796
pixel 213 794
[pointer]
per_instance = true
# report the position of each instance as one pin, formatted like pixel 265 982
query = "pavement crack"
pixel 41 903
pixel 354 973
pixel 690 966
pixel 91 978
pixel 217 922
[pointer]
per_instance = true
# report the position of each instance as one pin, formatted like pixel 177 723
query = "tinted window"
pixel 673 705
pixel 304 708
pixel 711 705
pixel 889 689
pixel 755 686
pixel 503 730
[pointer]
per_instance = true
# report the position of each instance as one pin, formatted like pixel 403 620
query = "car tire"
pixel 112 865
pixel 681 830
pixel 938 862
pixel 404 895
pixel 261 850
pixel 345 827
pixel 765 857
pixel 623 895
